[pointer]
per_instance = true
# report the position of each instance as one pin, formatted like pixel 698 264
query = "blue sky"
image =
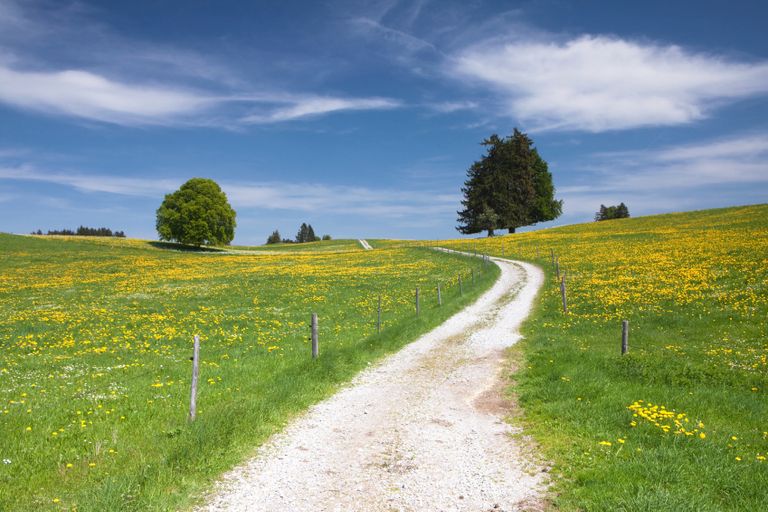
pixel 361 118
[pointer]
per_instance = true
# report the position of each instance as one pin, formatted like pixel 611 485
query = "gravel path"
pixel 421 431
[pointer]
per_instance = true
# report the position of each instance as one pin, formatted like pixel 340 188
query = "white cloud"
pixel 447 107
pixel 698 175
pixel 90 96
pixel 302 197
pixel 407 41
pixel 61 60
pixel 93 183
pixel 301 107
pixel 726 161
pixel 599 83
pixel 316 197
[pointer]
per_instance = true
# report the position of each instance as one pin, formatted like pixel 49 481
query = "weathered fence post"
pixel 195 370
pixel 439 295
pixel 537 251
pixel 417 301
pixel 557 267
pixel 472 271
pixel 378 316
pixel 562 292
pixel 461 289
pixel 315 342
pixel 552 255
pixel 624 336
pixel 502 249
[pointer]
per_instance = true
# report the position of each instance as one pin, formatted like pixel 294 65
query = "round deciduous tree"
pixel 197 214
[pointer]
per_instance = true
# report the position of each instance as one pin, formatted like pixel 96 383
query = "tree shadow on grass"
pixel 173 246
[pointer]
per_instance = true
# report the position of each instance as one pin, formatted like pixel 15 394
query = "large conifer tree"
pixel 511 185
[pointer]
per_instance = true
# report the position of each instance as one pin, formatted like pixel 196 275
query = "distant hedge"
pixel 82 231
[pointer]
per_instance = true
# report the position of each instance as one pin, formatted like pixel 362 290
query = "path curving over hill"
pixel 422 430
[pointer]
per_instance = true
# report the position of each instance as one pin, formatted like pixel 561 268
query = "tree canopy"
pixel 306 234
pixel 197 214
pixel 509 187
pixel 274 238
pixel 612 212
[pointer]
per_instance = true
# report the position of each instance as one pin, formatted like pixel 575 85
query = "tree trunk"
pixel 511 230
pixel 490 232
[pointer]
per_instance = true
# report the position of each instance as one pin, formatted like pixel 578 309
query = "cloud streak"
pixel 94 97
pixel 302 107
pixel 599 83
pixel 90 96
pixel 273 195
pixel 673 177
pixel 61 61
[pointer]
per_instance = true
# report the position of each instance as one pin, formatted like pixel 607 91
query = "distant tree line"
pixel 306 234
pixel 612 212
pixel 82 231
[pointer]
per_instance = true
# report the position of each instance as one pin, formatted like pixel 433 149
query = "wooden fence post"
pixel 624 336
pixel 502 249
pixel 461 289
pixel 562 292
pixel 378 317
pixel 552 255
pixel 195 370
pixel 417 301
pixel 439 295
pixel 315 341
pixel 557 267
pixel 472 271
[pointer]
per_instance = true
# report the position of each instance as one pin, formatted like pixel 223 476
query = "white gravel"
pixel 414 433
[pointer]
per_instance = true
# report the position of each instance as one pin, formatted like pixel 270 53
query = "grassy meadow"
pixel 341 245
pixel 681 421
pixel 95 345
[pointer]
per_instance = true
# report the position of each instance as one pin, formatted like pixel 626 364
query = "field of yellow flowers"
pixel 681 421
pixel 95 346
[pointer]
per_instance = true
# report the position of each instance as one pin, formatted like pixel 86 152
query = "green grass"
pixel 95 340
pixel 343 245
pixel 694 287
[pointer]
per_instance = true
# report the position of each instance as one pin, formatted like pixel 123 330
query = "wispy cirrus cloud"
pixel 268 195
pixel 91 96
pixel 308 106
pixel 146 187
pixel 599 83
pixel 94 97
pixel 673 177
pixel 60 61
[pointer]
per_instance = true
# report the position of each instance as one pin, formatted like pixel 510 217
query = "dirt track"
pixel 421 431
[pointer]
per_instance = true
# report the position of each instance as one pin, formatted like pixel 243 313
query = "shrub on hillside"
pixel 612 212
